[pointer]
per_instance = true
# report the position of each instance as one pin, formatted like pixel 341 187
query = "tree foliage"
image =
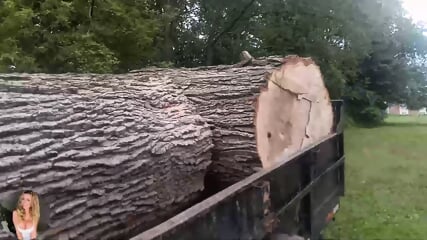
pixel 76 36
pixel 369 52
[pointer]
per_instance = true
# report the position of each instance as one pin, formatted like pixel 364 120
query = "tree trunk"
pixel 225 96
pixel 128 150
pixel 113 156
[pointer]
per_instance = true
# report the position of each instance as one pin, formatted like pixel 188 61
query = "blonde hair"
pixel 34 208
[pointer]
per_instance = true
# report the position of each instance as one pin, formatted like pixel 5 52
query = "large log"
pixel 111 155
pixel 225 96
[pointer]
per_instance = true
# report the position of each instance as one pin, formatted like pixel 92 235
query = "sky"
pixel 417 10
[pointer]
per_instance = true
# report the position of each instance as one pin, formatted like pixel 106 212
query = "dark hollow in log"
pixel 112 156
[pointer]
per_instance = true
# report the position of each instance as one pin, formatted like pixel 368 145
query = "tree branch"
pixel 233 23
pixel 92 5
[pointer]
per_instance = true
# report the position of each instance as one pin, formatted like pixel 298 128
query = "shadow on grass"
pixel 404 124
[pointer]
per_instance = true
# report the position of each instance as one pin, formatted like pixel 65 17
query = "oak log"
pixel 113 156
pixel 133 148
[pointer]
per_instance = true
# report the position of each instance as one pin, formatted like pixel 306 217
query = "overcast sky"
pixel 417 10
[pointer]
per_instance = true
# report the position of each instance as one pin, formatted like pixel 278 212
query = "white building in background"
pixel 397 109
pixel 402 109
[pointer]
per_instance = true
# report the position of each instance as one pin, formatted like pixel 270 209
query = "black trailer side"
pixel 297 197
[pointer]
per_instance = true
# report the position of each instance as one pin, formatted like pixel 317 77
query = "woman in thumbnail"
pixel 26 216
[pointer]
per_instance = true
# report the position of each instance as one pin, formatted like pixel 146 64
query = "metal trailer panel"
pixel 294 197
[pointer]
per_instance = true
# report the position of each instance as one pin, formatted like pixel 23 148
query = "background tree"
pixel 369 52
pixel 76 36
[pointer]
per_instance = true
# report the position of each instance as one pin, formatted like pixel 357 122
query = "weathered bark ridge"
pixel 110 159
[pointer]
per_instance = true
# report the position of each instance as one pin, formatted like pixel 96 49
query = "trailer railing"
pixel 298 197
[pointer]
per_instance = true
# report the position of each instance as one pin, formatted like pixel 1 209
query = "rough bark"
pixel 225 96
pixel 101 144
pixel 113 156
pixel 293 112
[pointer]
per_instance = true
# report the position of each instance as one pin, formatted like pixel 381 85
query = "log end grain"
pixel 293 111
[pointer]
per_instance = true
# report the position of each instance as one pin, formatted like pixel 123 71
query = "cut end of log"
pixel 293 111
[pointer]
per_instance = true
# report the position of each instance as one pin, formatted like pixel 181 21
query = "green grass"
pixel 386 182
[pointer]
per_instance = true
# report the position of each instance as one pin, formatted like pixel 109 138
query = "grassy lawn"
pixel 386 182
